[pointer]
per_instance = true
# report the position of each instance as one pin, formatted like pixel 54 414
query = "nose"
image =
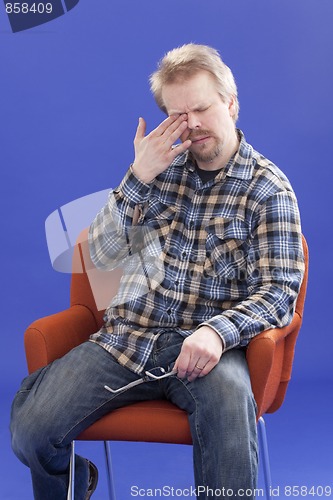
pixel 193 121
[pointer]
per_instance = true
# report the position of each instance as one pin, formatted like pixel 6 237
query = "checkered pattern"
pixel 227 254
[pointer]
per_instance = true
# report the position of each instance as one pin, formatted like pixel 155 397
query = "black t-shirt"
pixel 207 175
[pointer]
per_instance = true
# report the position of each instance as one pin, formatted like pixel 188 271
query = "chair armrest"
pixel 51 337
pixel 270 356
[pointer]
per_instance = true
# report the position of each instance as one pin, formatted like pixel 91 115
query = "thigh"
pixel 222 417
pixel 68 395
pixel 225 390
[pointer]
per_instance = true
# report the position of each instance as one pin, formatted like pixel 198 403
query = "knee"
pixel 228 391
pixel 28 426
pixel 20 430
pixel 233 398
pixel 235 389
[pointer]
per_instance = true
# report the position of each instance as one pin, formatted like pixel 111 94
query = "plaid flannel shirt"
pixel 226 253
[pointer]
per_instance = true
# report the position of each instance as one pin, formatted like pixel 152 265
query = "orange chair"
pixel 269 355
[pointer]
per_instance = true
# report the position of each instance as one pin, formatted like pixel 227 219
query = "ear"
pixel 232 106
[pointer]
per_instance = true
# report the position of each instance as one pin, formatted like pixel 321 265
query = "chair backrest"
pixel 301 296
pixel 92 288
pixel 290 340
pixel 270 355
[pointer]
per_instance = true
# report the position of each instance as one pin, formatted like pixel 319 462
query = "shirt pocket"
pixel 155 225
pixel 227 244
pixel 158 217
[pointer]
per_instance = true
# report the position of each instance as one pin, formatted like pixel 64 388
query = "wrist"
pixel 142 175
pixel 213 332
pixel 133 189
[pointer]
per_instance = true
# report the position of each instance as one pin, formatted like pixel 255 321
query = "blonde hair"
pixel 185 61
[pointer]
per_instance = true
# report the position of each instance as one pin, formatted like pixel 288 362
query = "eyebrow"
pixel 199 107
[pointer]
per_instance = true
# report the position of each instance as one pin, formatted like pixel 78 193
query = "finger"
pixel 194 374
pixel 181 364
pixel 196 364
pixel 174 133
pixel 180 122
pixel 141 130
pixel 186 135
pixel 207 368
pixel 200 365
pixel 179 149
pixel 164 126
pixel 195 368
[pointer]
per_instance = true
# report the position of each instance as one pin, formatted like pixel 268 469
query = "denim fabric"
pixel 59 401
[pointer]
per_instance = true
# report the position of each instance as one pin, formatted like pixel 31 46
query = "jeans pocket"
pixel 24 392
pixel 31 380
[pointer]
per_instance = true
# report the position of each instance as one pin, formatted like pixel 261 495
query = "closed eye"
pixel 202 109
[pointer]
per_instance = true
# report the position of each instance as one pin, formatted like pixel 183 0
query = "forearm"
pixel 270 307
pixel 110 232
pixel 274 273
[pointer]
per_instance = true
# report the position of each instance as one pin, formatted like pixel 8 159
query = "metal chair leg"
pixel 264 456
pixel 112 495
pixel 108 460
pixel 71 485
pixel 70 493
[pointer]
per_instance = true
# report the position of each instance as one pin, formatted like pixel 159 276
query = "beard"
pixel 205 152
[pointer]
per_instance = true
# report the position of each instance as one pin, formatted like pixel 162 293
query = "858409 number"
pixel 25 8
pixel 308 491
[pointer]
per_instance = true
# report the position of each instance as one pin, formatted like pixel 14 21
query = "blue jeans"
pixel 58 402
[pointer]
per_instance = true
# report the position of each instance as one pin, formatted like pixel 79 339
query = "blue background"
pixel 71 92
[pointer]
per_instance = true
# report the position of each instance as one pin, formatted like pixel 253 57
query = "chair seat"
pixel 152 421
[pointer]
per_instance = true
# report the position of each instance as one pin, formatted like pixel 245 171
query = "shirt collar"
pixel 182 159
pixel 240 165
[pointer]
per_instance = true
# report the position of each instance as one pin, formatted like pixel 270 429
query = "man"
pixel 207 231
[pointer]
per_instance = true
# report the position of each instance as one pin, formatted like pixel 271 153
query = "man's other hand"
pixel 200 352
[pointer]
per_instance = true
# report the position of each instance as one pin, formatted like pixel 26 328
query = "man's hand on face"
pixel 200 352
pixel 154 152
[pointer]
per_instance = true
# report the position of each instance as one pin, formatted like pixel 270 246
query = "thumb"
pixel 141 130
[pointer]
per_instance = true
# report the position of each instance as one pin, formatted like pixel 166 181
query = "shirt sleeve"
pixel 275 268
pixel 109 233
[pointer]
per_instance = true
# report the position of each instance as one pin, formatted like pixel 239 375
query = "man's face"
pixel 211 127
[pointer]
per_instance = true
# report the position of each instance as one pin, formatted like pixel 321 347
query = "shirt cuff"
pixel 227 331
pixel 133 188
